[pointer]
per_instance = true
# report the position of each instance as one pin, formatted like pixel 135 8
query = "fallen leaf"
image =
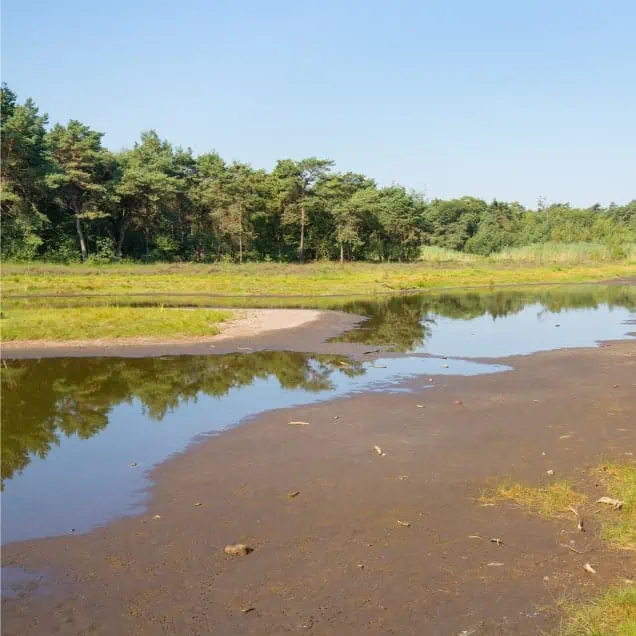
pixel 379 451
pixel 565 436
pixel 238 549
pixel 157 517
pixel 403 477
pixel 404 523
pixel 133 464
pixel 458 402
pixel 445 366
pixel 549 472
pixel 198 504
pixel 247 610
pixel 497 541
pixel 588 568
pixel 291 495
pixel 420 406
pixel 495 564
pixel 474 536
pixel 298 423
pixel 617 504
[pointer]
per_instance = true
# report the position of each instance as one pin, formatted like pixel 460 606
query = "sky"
pixel 507 99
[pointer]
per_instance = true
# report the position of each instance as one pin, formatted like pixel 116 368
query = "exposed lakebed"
pixel 79 435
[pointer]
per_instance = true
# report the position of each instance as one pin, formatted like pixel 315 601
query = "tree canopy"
pixel 65 197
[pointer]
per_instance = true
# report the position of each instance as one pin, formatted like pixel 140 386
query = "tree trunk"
pixel 241 249
pixel 301 251
pixel 120 242
pixel 147 246
pixel 82 239
pixel 341 253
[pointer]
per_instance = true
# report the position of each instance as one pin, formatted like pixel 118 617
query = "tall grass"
pixel 539 254
pixel 566 254
pixel 433 254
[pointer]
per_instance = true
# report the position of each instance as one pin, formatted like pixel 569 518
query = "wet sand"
pixel 333 559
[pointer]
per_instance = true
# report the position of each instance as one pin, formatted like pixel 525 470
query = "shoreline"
pixel 248 325
pixel 248 329
pixel 561 410
pixel 245 325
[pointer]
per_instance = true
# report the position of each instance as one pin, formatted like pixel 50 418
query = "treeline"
pixel 65 197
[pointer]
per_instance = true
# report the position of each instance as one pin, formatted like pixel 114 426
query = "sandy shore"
pixel 254 322
pixel 246 326
pixel 333 560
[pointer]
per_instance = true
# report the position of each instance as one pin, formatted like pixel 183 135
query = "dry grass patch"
pixel 550 501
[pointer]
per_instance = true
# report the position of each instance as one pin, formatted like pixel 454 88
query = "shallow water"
pixel 71 428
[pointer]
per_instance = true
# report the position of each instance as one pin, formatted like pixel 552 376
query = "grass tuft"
pixel 612 614
pixel 550 501
pixel 619 526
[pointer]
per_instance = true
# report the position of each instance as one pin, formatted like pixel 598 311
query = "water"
pixel 71 428
pixel 497 324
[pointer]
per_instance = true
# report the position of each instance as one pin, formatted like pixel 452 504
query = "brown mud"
pixel 333 559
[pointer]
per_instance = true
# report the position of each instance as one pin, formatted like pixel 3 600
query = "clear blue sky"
pixel 513 99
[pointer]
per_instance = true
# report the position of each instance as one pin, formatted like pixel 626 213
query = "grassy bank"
pixel 614 612
pixel 317 279
pixel 63 324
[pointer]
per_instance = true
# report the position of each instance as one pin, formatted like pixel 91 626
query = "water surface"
pixel 80 434
pixel 72 427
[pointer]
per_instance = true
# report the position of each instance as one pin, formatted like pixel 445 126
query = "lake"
pixel 80 435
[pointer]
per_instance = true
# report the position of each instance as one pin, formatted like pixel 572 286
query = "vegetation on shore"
pixel 613 613
pixel 65 197
pixel 316 279
pixel 401 321
pixel 109 323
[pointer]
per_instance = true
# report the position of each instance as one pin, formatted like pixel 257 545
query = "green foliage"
pixel 159 202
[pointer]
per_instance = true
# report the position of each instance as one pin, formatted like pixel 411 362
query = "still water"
pixel 73 428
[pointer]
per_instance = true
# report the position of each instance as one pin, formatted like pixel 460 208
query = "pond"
pixel 74 427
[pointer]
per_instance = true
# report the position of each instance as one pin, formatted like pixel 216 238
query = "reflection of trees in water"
pixel 405 321
pixel 44 400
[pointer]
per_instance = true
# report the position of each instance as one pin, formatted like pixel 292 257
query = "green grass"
pixel 565 254
pixel 619 526
pixel 109 323
pixel 550 501
pixel 539 255
pixel 614 612
pixel 316 279
pixel 611 614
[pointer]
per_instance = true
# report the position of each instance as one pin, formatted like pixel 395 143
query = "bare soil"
pixel 333 560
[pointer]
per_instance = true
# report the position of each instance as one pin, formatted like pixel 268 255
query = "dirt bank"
pixel 333 559
pixel 249 328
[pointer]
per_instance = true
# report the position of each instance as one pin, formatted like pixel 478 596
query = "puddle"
pixel 497 324
pixel 17 582
pixel 531 330
pixel 72 427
